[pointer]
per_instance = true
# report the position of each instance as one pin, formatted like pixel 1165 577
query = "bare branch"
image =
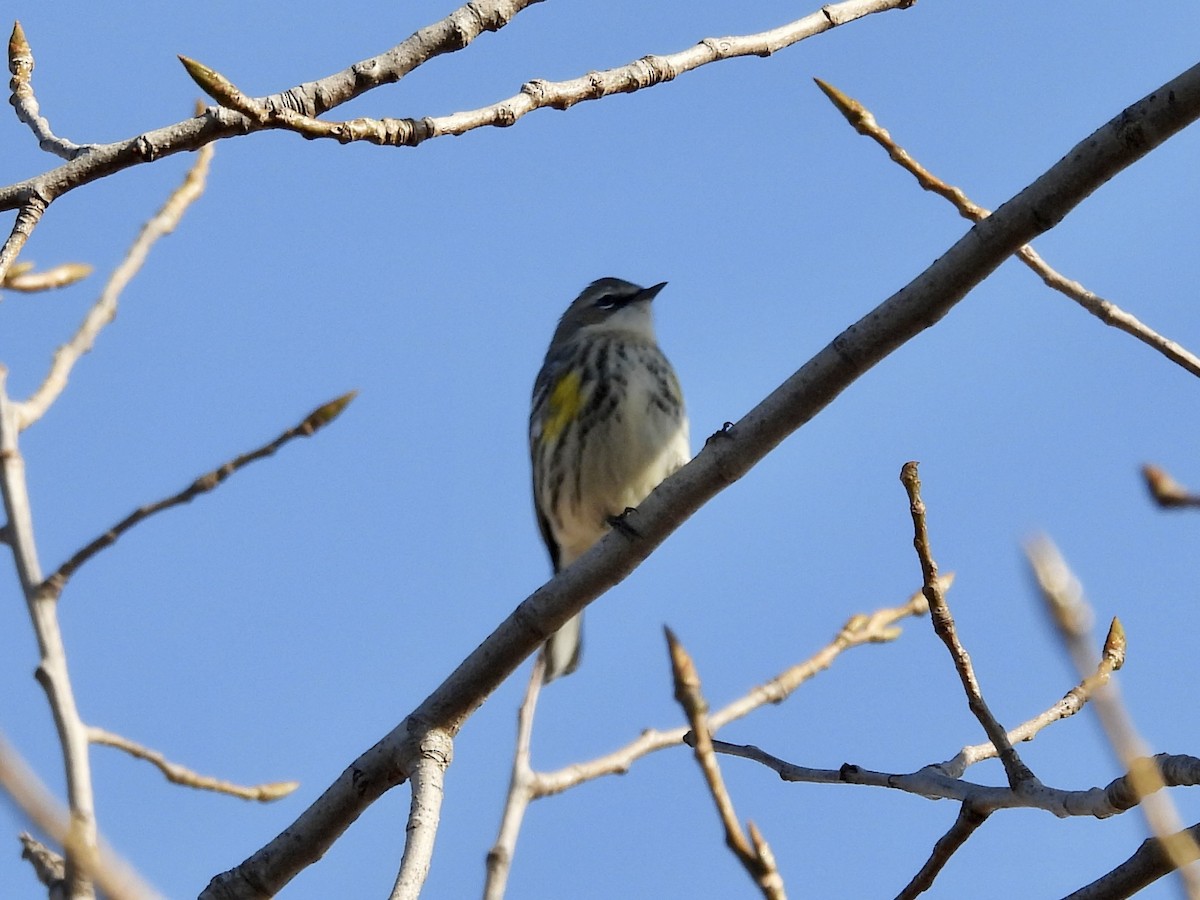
pixel 315 420
pixel 177 774
pixel 1116 797
pixel 917 306
pixel 452 33
pixel 114 875
pixel 878 627
pixel 1148 864
pixel 29 212
pixel 105 308
pixel 757 860
pixel 537 94
pixel 425 812
pixel 968 821
pixel 52 672
pixel 20 64
pixel 1105 310
pixel 943 625
pixel 523 788
pixel 1071 613
pixel 1071 703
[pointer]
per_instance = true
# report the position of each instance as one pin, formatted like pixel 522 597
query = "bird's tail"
pixel 563 650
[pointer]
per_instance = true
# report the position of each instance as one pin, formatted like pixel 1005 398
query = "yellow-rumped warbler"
pixel 606 426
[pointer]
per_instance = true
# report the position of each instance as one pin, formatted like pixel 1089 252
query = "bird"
pixel 607 425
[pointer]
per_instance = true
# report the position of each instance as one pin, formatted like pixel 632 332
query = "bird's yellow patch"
pixel 565 402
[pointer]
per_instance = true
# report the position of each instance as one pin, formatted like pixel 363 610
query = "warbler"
pixel 607 425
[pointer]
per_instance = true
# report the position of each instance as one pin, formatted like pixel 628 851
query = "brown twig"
pixel 311 423
pixel 1105 310
pixel 177 774
pixel 754 854
pixel 1073 701
pixel 1018 773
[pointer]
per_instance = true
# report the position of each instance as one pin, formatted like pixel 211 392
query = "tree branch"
pixel 105 308
pixel 754 854
pixel 315 420
pixel 726 457
pixel 181 775
pixel 1105 310
pixel 537 94
pixel 1070 612
pixel 116 878
pixel 1018 773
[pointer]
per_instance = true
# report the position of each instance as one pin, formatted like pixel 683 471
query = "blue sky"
pixel 277 628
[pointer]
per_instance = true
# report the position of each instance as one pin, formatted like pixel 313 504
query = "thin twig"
pixel 184 776
pixel 114 876
pixel 754 854
pixel 1073 701
pixel 522 789
pixel 646 72
pixel 969 819
pixel 1018 773
pixel 315 420
pixel 1105 310
pixel 20 64
pixel 1072 616
pixel 860 629
pixel 105 308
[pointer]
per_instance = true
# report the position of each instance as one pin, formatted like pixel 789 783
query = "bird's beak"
pixel 650 293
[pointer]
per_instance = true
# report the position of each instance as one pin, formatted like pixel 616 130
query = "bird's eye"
pixel 607 301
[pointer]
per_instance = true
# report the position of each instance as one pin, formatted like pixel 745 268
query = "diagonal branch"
pixel 537 94
pixel 1071 703
pixel 943 624
pixel 1072 616
pixel 726 457
pixel 454 32
pixel 116 878
pixel 753 853
pixel 318 418
pixel 1148 864
pixel 1105 310
pixel 878 627
pixel 181 775
pixel 970 818
pixel 105 308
